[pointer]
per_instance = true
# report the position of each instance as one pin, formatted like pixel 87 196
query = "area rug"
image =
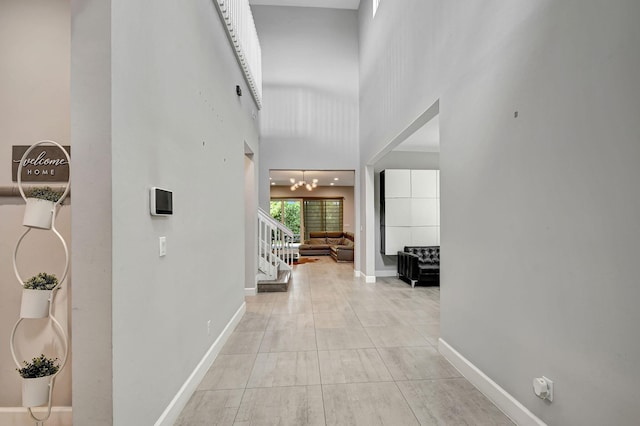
pixel 304 260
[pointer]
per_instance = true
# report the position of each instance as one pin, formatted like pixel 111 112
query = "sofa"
pixel 419 265
pixel 337 244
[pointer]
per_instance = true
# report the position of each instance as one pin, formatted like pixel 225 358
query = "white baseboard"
pixel 369 278
pixel 387 273
pixel 250 291
pixel 19 416
pixel 503 400
pixel 175 407
pixel 356 274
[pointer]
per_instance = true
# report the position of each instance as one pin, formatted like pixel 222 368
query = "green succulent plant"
pixel 42 281
pixel 40 366
pixel 43 193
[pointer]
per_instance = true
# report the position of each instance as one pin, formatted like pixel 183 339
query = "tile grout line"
pixel 315 333
pixel 244 391
pixel 407 402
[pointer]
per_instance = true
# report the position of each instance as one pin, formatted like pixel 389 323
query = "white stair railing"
pixel 275 249
pixel 241 29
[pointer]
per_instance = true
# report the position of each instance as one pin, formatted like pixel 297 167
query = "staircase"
pixel 275 254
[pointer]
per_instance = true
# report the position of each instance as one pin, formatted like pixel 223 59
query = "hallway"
pixel 335 350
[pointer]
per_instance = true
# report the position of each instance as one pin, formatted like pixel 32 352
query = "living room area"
pixel 319 207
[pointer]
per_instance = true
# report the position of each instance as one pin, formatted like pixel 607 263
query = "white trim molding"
pixel 177 404
pixel 369 278
pixel 250 291
pixel 503 400
pixel 19 416
pixel 356 274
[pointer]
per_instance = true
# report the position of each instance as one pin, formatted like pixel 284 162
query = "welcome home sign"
pixel 44 164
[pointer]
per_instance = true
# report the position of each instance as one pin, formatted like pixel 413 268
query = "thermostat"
pixel 160 202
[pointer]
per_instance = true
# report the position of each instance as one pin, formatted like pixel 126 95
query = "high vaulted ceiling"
pixel 331 4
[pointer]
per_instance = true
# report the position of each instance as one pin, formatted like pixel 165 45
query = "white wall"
pixel 91 265
pixel 540 212
pixel 310 75
pixel 34 105
pixel 250 220
pixel 34 76
pixel 176 122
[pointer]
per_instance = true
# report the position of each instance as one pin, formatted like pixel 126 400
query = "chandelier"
pixel 303 182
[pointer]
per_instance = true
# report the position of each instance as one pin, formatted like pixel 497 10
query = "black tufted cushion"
pixel 426 255
pixel 428 267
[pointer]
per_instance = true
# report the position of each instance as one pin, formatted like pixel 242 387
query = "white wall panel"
pixel 424 236
pixel 424 212
pixel 398 212
pixel 397 183
pixel 408 209
pixel 424 184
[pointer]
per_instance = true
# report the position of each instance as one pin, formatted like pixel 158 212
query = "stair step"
pixel 279 284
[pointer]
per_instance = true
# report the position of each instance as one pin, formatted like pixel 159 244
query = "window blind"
pixel 322 215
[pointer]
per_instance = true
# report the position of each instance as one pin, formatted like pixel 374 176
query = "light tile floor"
pixel 335 350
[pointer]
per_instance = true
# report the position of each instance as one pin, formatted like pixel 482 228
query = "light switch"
pixel 163 246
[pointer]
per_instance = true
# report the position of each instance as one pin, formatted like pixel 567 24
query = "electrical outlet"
pixel 543 388
pixel 550 384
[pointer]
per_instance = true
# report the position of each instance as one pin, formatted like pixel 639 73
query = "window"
pixel 291 216
pixel 308 215
pixel 376 3
pixel 322 215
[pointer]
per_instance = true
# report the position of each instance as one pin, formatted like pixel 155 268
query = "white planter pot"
pixel 38 213
pixel 35 392
pixel 35 303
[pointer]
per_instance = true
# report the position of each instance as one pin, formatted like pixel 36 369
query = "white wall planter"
pixel 35 303
pixel 38 213
pixel 35 392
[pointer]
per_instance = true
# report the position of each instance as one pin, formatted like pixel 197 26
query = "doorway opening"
pixel 307 201
pixel 414 154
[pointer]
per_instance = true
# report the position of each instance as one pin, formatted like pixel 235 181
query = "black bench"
pixel 419 264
